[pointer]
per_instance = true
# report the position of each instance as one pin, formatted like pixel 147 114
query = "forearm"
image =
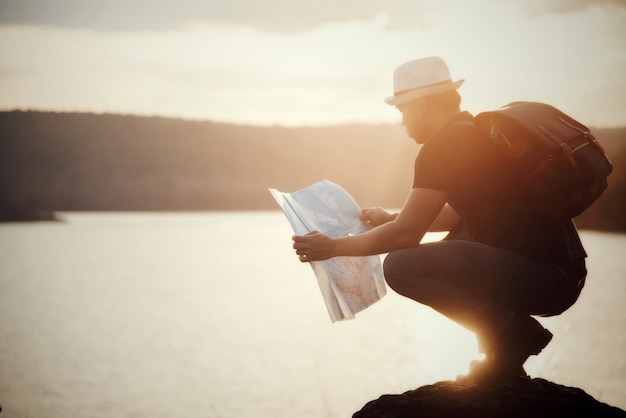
pixel 403 231
pixel 382 239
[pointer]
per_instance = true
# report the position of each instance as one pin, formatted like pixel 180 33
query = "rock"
pixel 527 398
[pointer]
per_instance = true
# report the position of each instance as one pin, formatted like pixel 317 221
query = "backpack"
pixel 563 167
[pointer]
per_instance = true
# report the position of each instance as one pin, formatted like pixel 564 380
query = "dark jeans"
pixel 481 287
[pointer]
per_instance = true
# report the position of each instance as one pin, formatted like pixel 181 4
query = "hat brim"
pixel 426 91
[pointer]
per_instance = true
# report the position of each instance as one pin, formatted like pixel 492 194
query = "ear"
pixel 418 107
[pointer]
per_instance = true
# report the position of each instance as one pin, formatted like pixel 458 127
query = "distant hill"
pixel 104 162
pixel 75 162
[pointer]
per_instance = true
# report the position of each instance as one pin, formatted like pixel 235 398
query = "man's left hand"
pixel 313 246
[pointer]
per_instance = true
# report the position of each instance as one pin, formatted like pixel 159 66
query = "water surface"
pixel 212 315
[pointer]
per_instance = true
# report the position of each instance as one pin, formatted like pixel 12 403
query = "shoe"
pixel 506 355
pixel 525 337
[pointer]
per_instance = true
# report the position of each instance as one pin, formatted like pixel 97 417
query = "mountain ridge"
pixel 72 161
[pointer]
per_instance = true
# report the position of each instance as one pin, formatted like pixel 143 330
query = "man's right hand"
pixel 376 216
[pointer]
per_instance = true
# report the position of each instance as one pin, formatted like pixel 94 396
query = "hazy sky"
pixel 303 62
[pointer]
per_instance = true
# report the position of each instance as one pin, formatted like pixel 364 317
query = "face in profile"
pixel 413 120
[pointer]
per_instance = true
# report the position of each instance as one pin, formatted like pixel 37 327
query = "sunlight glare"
pixel 445 348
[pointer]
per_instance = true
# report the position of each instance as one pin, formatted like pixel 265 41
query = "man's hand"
pixel 376 216
pixel 313 246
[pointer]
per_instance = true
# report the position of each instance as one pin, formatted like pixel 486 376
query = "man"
pixel 516 264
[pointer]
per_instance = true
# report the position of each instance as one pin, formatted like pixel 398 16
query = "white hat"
pixel 419 78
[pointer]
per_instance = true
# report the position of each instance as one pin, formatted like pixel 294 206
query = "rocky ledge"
pixel 523 398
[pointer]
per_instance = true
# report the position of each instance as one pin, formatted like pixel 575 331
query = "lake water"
pixel 212 315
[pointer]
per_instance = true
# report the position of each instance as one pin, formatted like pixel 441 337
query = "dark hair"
pixel 448 100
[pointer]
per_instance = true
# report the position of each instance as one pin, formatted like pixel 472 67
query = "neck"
pixel 440 119
pixel 443 118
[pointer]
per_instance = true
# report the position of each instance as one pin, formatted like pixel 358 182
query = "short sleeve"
pixel 443 162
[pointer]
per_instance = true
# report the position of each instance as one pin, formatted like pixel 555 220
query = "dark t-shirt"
pixel 487 195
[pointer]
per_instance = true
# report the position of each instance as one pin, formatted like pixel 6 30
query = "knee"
pixel 390 264
pixel 395 272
